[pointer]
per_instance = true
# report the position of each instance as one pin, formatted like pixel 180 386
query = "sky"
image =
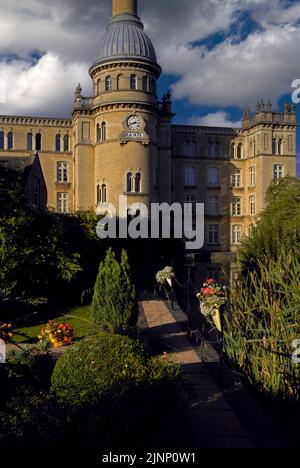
pixel 218 56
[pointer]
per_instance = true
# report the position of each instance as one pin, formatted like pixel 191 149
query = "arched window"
pixel 232 151
pixel 58 142
pixel 252 176
pixel 146 84
pixel 153 86
pixel 103 131
pixel 138 183
pixel 1 140
pixel 10 140
pixel 99 86
pixel 280 146
pixel 274 146
pixel 101 193
pixel 133 82
pixel 108 83
pixel 119 81
pixel 66 143
pixel 98 133
pixel 29 141
pixel 129 185
pixel 239 152
pixel 38 142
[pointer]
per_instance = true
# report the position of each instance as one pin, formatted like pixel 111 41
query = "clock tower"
pixel 123 113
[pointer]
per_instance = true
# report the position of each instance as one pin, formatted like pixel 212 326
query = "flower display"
pixel 165 275
pixel 58 334
pixel 211 296
pixel 6 332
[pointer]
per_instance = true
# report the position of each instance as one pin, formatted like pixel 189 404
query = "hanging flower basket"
pixel 165 276
pixel 212 297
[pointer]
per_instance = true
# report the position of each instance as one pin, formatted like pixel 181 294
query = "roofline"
pixel 125 58
pixel 12 116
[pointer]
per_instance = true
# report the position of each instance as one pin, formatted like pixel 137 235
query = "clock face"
pixel 134 122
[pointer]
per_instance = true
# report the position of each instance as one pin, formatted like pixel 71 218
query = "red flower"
pixel 211 281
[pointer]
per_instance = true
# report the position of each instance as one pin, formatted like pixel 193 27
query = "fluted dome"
pixel 125 38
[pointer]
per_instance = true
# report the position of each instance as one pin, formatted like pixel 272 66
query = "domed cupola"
pixel 125 38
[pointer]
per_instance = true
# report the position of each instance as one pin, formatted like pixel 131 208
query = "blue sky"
pixel 218 56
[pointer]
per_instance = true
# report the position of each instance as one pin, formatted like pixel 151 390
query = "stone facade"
pixel 122 141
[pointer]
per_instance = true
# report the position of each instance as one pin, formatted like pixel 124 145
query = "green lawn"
pixel 79 317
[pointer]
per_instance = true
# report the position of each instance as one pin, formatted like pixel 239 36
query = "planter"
pixel 217 318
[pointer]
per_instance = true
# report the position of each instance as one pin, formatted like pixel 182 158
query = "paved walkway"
pixel 217 417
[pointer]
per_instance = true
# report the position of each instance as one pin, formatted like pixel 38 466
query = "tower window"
pixel 239 151
pixel 146 84
pixel 10 140
pixel 1 140
pixel 133 82
pixel 138 183
pixel 29 141
pixel 129 185
pixel 119 81
pixel 62 172
pixel 108 83
pixel 232 151
pixel 103 131
pixel 98 133
pixel 66 143
pixel 101 193
pixel 58 143
pixel 98 86
pixel 278 171
pixel 38 142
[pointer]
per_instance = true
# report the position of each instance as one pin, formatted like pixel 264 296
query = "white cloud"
pixel 215 119
pixel 46 88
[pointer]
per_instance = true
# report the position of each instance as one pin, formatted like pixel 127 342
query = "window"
pixel 156 176
pixel 236 235
pixel 213 206
pixel 236 207
pixel 239 151
pixel 10 140
pixel 153 86
pixel 1 140
pixel 108 83
pixel 36 192
pixel 232 151
pixel 274 146
pixel 138 183
pixel 191 204
pixel 119 81
pixel 186 149
pixel 190 176
pixel 237 178
pixel 278 171
pixel 129 182
pixel 133 82
pixel 38 142
pixel 98 133
pixel 251 230
pixel 62 172
pixel 98 86
pixel 193 149
pixel 146 84
pixel 252 205
pixel 280 146
pixel 29 141
pixel 66 143
pixel 214 150
pixel 103 131
pixel 101 193
pixel 253 147
pixel 213 234
pixel 252 176
pixel 62 202
pixel 58 143
pixel 213 177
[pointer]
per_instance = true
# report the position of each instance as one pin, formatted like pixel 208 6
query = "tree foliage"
pixel 114 295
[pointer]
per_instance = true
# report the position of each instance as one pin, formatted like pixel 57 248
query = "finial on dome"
pixel 121 7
